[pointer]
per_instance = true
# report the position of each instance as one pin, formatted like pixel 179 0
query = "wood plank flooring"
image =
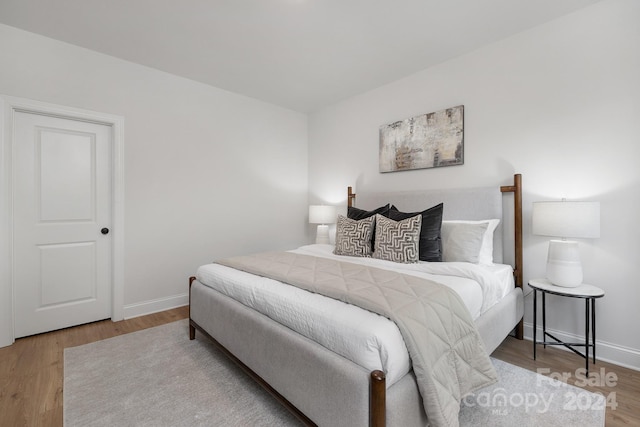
pixel 31 376
pixel 620 385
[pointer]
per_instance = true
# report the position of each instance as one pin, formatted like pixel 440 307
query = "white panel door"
pixel 62 215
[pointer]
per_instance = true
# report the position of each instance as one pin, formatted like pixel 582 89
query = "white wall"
pixel 560 104
pixel 208 173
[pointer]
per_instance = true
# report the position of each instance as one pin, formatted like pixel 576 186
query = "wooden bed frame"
pixel 377 388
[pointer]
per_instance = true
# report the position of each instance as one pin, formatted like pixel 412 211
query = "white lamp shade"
pixel 322 214
pixel 566 219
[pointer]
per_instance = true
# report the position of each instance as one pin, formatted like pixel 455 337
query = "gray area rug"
pixel 157 377
pixel 526 399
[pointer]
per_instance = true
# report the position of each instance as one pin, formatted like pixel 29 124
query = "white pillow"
pixel 468 241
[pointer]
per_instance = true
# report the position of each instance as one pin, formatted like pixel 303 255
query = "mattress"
pixel 365 338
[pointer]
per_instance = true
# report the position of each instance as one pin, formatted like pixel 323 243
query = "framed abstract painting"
pixel 427 141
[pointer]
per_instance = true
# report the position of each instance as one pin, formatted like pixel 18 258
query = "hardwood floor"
pixel 620 385
pixel 31 376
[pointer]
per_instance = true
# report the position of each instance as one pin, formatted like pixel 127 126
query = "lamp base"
pixel 563 264
pixel 322 235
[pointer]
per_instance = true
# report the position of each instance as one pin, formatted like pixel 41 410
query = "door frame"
pixel 9 105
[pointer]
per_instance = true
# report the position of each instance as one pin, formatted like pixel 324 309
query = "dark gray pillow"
pixel 430 241
pixel 356 213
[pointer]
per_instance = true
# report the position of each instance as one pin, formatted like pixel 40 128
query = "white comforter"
pixel 367 339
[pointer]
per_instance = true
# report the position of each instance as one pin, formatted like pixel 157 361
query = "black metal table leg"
pixel 535 320
pixel 586 334
pixel 544 319
pixel 593 327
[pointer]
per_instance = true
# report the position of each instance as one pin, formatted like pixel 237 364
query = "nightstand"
pixel 587 292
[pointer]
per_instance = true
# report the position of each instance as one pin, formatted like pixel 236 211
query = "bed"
pixel 353 370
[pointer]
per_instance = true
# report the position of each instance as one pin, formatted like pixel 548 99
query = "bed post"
pixel 192 329
pixel 377 399
pixel 351 197
pixel 516 189
pixel 377 379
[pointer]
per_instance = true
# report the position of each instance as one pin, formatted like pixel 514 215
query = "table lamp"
pixel 322 215
pixel 565 219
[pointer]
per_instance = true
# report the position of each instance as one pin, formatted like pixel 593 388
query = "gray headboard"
pixel 465 203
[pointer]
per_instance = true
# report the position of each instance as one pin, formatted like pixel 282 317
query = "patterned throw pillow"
pixel 398 241
pixel 430 243
pixel 357 213
pixel 353 238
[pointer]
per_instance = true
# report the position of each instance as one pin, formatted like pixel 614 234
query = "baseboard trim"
pixel 155 306
pixel 608 352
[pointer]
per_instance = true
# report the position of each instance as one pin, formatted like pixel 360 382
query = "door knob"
pixel 105 230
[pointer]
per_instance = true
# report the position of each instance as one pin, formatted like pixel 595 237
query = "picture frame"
pixel 427 141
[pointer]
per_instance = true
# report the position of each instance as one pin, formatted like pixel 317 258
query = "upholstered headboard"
pixel 469 204
pixel 466 203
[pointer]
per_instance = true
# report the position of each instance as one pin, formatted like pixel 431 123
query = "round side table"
pixel 587 292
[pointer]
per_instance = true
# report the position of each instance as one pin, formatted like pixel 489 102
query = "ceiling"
pixel 299 54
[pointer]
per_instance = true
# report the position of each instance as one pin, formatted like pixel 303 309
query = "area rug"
pixel 526 399
pixel 158 377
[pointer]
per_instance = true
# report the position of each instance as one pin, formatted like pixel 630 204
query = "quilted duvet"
pixel 448 357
